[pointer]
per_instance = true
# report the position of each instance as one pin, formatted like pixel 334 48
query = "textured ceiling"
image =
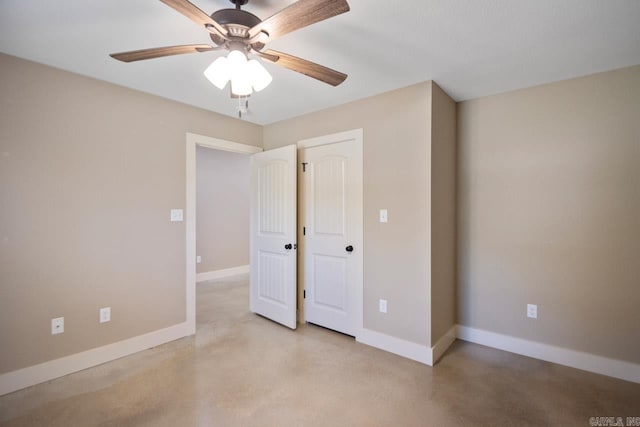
pixel 471 48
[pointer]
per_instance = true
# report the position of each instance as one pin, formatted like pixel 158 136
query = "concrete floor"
pixel 241 369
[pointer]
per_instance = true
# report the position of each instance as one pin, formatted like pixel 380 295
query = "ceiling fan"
pixel 239 31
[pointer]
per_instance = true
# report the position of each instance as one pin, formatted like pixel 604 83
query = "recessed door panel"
pixel 330 279
pixel 273 273
pixel 329 204
pixel 272 182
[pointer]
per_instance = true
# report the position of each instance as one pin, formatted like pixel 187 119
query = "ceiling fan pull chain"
pixel 243 105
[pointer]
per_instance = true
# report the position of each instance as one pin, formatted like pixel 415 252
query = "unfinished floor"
pixel 241 369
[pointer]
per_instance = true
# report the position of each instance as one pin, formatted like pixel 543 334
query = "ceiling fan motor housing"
pixel 238 22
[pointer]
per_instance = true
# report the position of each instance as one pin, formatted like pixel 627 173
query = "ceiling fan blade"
pixel 192 12
pixel 157 52
pixel 308 68
pixel 300 14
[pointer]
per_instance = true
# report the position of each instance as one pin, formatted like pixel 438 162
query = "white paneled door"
pixel 331 205
pixel 273 235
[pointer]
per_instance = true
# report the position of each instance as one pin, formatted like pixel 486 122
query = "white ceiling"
pixel 471 48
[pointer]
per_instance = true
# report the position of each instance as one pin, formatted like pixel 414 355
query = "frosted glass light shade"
pixel 237 62
pixel 260 77
pixel 241 83
pixel 218 72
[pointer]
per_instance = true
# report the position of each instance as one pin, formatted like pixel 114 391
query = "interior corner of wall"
pixel 443 343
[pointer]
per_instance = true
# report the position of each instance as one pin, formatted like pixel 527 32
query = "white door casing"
pixel 192 140
pixel 331 214
pixel 273 235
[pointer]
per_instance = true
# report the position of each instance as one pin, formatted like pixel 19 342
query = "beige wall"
pixel 88 174
pixel 548 205
pixel 222 213
pixel 443 214
pixel 549 202
pixel 396 177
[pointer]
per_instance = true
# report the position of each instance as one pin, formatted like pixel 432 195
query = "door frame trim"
pixel 336 138
pixel 192 140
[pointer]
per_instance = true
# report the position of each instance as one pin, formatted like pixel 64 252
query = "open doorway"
pixel 219 216
pixel 222 214
pixel 222 236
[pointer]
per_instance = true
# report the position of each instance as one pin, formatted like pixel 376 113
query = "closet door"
pixel 273 235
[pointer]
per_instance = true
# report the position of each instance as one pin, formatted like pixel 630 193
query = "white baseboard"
pixel 443 343
pixel 410 350
pixel 219 274
pixel 26 377
pixel 576 359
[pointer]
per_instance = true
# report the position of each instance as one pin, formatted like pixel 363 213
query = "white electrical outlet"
pixel 105 314
pixel 383 306
pixel 176 215
pixel 532 311
pixel 383 215
pixel 57 325
pixel 198 259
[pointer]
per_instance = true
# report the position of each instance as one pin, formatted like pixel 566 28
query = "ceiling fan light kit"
pixel 245 75
pixel 243 34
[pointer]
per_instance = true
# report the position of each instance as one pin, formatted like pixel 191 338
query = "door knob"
pixel 288 246
pixel 349 248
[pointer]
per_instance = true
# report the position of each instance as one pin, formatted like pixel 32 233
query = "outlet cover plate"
pixel 105 314
pixel 57 325
pixel 532 311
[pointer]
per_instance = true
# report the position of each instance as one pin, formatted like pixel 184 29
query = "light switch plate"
pixel 532 311
pixel 383 215
pixel 176 215
pixel 57 325
pixel 198 259
pixel 383 306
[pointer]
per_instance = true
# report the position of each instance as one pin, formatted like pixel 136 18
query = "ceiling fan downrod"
pixel 239 3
